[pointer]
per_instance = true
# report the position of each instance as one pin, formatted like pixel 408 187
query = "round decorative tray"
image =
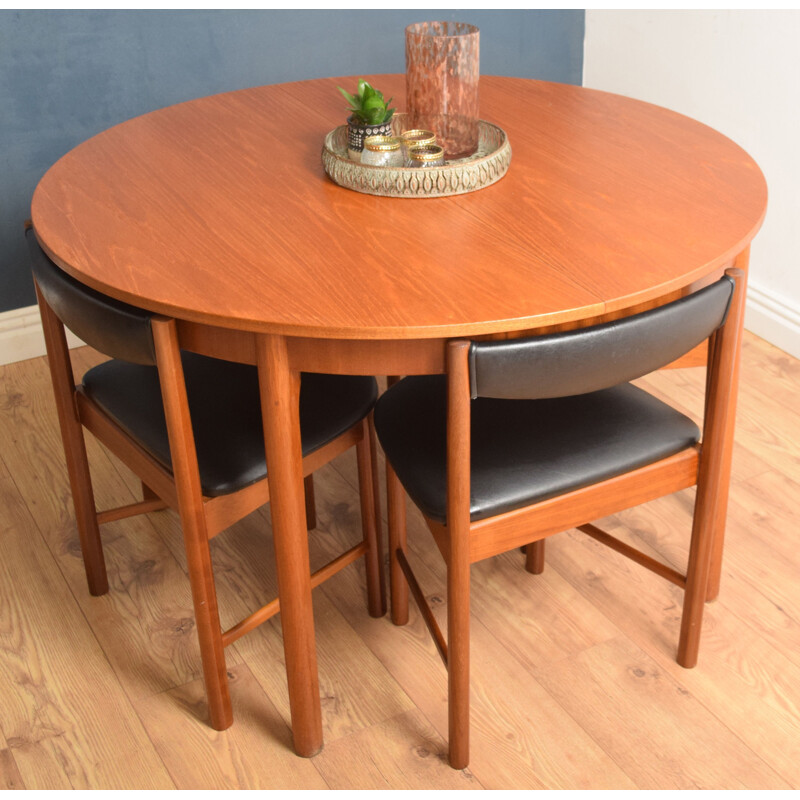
pixel 483 168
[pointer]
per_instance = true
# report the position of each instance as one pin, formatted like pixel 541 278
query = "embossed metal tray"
pixel 485 167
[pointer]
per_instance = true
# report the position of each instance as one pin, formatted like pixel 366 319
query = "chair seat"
pixel 524 451
pixel 226 413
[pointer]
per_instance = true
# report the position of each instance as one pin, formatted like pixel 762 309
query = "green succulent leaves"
pixel 368 106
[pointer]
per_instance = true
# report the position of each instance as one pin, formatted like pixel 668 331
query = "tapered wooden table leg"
pixel 396 510
pixel 376 490
pixel 280 397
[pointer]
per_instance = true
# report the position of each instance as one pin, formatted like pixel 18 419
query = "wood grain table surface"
pixel 218 210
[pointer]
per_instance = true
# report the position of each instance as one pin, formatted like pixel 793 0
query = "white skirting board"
pixel 767 316
pixel 21 335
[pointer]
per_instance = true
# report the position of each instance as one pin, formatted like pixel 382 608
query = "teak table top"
pixel 218 210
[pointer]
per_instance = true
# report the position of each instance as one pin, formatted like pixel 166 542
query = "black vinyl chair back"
pixel 590 359
pixel 114 328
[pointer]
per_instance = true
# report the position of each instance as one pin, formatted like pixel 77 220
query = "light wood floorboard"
pixel 65 716
pixel 574 679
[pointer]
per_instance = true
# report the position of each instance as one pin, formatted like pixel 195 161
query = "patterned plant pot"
pixel 357 132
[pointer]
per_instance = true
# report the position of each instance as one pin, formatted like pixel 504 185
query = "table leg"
pixel 396 510
pixel 280 397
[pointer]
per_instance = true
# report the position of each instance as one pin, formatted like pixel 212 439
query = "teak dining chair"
pixel 525 438
pixel 190 427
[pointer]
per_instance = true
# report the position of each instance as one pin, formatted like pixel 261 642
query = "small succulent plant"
pixel 368 105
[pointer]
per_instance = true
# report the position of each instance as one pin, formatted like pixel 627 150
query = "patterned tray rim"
pixel 461 176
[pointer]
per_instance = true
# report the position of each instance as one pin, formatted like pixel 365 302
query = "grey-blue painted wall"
pixel 66 75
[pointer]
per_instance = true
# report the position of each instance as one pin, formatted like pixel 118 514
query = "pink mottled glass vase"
pixel 442 74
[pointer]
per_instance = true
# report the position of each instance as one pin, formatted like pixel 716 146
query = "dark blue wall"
pixel 66 75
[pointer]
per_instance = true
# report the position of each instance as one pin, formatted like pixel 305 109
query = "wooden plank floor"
pixel 574 682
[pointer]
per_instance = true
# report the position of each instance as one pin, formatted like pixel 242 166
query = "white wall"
pixel 739 72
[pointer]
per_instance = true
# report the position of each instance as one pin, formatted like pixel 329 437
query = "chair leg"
pixel 458 663
pixel 193 523
pixel 718 535
pixel 732 356
pixel 458 555
pixel 74 448
pixel 396 501
pixel 375 597
pixel 696 584
pixel 209 633
pixel 311 506
pixel 705 555
pixel 534 557
pixel 85 509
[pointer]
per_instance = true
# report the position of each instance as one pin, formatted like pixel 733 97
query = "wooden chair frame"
pixel 462 542
pixel 201 517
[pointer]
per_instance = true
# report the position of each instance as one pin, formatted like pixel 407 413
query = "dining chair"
pixel 190 427
pixel 523 439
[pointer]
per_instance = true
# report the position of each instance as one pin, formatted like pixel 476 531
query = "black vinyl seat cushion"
pixel 524 451
pixel 226 413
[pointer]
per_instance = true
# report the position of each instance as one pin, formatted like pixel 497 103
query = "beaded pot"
pixel 357 131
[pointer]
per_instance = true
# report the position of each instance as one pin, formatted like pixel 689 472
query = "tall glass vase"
pixel 442 74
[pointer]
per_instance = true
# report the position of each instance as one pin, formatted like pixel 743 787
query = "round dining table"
pixel 217 212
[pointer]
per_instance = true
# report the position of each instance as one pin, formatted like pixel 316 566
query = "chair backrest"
pixel 116 329
pixel 601 356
